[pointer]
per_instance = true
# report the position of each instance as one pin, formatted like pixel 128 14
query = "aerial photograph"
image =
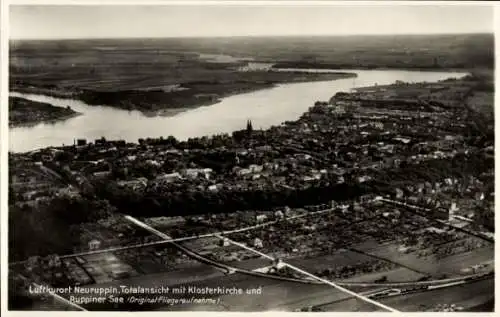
pixel 251 157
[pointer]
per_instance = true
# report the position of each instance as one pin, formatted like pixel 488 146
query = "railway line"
pixel 406 287
pixel 389 289
pixel 188 238
pixel 220 265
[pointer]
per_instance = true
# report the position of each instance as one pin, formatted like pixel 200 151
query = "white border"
pixel 251 3
pixel 4 29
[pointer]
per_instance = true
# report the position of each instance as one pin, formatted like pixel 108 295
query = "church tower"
pixel 249 126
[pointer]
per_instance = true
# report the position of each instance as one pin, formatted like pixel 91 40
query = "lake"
pixel 265 108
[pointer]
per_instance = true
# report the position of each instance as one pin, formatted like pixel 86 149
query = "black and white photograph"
pixel 249 157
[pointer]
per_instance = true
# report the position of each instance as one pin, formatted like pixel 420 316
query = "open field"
pixel 463 50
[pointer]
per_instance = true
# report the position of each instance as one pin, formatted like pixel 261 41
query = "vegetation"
pixel 23 111
pixel 54 225
pixel 154 74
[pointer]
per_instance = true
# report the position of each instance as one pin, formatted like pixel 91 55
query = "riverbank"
pixel 304 66
pixel 28 113
pixel 189 95
pixel 265 107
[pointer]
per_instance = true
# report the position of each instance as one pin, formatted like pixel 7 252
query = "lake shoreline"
pixel 189 100
pixel 328 66
pixel 28 113
pixel 265 108
pixel 31 124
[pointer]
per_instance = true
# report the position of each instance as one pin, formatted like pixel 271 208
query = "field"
pixel 154 74
pixel 131 75
pixel 467 50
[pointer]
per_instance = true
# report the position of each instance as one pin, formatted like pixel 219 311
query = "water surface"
pixel 264 107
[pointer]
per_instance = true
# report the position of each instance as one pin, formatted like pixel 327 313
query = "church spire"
pixel 249 126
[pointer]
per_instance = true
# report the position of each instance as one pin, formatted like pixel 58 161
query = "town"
pixel 383 184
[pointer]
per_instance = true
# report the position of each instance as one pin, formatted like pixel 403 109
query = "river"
pixel 264 107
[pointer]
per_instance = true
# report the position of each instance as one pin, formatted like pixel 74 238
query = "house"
pixel 214 188
pixel 308 178
pixel 195 172
pixel 224 242
pixel 167 221
pixel 94 244
pixel 153 163
pixel 118 271
pixel 102 174
pixel 81 142
pixel 32 262
pixel 257 243
pixel 378 125
pixel 260 218
pixel 271 166
pixel 363 179
pixel 302 156
pixel 47 157
pixel 255 168
pixel 263 148
pixel 243 171
pixel 435 230
pixel 399 193
pixel 134 184
pixel 479 196
pixel 169 177
pixel 54 261
pixel 403 140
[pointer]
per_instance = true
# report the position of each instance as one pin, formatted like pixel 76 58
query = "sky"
pixel 77 21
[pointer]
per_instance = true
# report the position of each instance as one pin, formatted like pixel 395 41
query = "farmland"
pixel 156 74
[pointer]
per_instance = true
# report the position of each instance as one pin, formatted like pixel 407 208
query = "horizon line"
pixel 250 36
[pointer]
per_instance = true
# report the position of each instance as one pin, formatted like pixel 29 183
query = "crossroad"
pixel 340 288
pixel 166 239
pixel 193 237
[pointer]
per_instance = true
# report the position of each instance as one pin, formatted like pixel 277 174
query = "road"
pixel 232 269
pixel 467 295
pixel 188 238
pixel 274 287
pixel 295 294
pixel 286 296
pixel 276 294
